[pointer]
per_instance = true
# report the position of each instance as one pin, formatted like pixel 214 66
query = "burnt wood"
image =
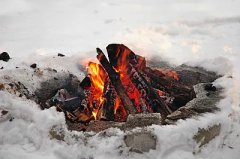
pixel 147 92
pixel 119 54
pixel 109 106
pixel 115 80
pixel 181 93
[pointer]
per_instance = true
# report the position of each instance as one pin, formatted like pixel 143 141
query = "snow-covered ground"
pixel 177 30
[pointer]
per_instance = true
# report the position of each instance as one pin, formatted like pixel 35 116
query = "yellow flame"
pixel 94 115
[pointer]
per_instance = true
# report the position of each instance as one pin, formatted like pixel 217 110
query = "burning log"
pixel 115 80
pixel 119 54
pixel 109 106
pixel 128 63
pixel 147 92
pixel 181 94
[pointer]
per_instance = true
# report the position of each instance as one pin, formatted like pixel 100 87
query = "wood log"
pixel 115 80
pixel 109 106
pixel 181 93
pixel 147 92
pixel 119 54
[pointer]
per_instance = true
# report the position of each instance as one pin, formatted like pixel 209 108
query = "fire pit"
pixel 114 90
pixel 130 93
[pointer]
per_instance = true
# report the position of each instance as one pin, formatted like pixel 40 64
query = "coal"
pixel 4 56
pixel 61 55
pixel 33 65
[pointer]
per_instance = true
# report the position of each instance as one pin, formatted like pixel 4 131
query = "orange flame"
pixel 159 92
pixel 98 76
pixel 117 102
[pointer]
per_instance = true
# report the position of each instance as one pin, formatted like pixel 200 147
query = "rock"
pixel 97 125
pixel 2 68
pixel 33 65
pixel 170 122
pixel 181 113
pixel 4 56
pixel 142 120
pixel 205 101
pixel 191 76
pixel 61 55
pixel 140 141
pixel 56 135
pixel 204 136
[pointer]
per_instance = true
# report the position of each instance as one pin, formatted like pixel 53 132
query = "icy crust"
pixel 27 135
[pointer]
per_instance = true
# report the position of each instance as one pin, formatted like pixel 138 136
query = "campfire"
pixel 124 85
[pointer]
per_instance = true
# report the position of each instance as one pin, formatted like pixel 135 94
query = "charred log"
pixel 115 79
pixel 119 54
pixel 181 93
pixel 147 92
pixel 109 106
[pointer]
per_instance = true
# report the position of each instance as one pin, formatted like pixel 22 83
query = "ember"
pixel 125 85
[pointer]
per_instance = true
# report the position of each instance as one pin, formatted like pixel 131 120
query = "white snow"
pixel 199 33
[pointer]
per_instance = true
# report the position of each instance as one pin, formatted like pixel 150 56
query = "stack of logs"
pixel 133 87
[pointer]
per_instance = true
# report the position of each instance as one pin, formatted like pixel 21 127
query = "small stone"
pixel 204 136
pixel 141 141
pixel 98 126
pixel 1 67
pixel 61 55
pixel 181 113
pixel 56 135
pixel 54 70
pixel 4 56
pixel 142 120
pixel 55 78
pixel 33 65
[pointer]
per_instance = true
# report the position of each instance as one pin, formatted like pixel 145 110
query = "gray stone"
pixel 181 113
pixel 56 135
pixel 142 120
pixel 205 101
pixel 204 136
pixel 140 141
pixel 97 125
pixel 190 76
